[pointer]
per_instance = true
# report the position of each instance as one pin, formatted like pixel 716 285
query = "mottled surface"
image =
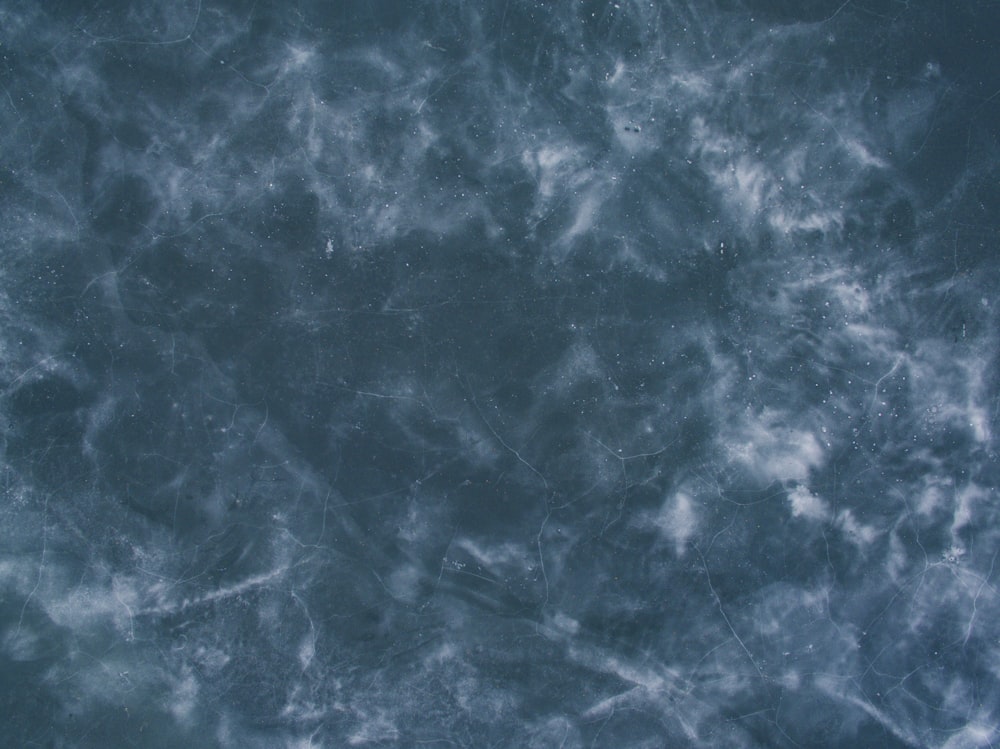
pixel 505 374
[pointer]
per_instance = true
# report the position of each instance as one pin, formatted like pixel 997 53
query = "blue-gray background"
pixel 510 374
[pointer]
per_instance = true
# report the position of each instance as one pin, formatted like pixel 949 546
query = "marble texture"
pixel 508 374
